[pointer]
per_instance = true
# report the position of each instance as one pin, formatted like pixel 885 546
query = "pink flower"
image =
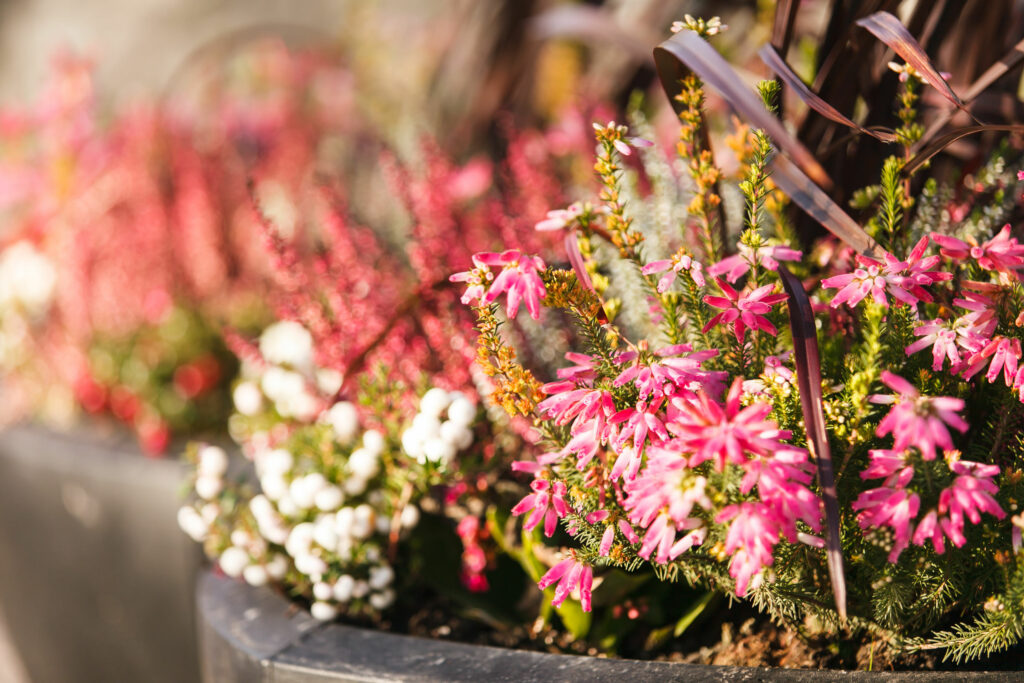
pixel 661 500
pixel 547 503
pixel 679 263
pixel 893 466
pixel 781 481
pixel 918 421
pixel 745 310
pixel 561 218
pixel 723 434
pixel 1001 253
pixel 891 507
pixel 519 278
pixel 971 493
pixel 903 280
pixel 570 574
pixel 1003 352
pixel 736 265
pixel 751 540
pixel 640 422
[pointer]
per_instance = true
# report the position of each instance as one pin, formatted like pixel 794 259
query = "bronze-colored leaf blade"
pixel 774 61
pixel 686 51
pixel 888 29
pixel 949 138
pixel 819 206
pixel 980 85
pixel 808 376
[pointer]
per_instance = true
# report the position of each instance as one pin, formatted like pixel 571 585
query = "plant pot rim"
pixel 245 630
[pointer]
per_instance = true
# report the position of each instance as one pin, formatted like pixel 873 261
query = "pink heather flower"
pixel 675 265
pixel 781 482
pixel 941 335
pixel 608 537
pixel 560 219
pixel 918 421
pixel 677 370
pixel 1002 354
pixel 893 466
pixel 640 423
pixel 750 540
pixel 892 507
pixel 661 500
pixel 723 434
pixel 583 370
pixel 547 503
pixel 570 574
pixel 736 265
pixel 519 278
pixel 903 280
pixel 1001 253
pixel 743 310
pixel 971 493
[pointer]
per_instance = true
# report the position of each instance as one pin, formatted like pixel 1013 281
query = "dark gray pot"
pixel 96 580
pixel 251 634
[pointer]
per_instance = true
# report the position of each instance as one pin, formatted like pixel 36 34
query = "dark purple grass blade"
pixel 686 51
pixel 983 82
pixel 774 61
pixel 949 138
pixel 888 29
pixel 808 375
pixel 792 165
pixel 819 206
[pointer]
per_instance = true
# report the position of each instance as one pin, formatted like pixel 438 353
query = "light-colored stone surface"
pixel 136 43
pixel 11 668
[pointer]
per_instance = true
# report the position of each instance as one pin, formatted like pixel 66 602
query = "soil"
pixel 735 637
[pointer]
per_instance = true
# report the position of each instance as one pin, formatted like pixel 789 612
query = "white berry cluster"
pixel 441 428
pixel 322 522
pixel 290 382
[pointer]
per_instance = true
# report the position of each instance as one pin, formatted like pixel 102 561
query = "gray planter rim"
pixel 255 634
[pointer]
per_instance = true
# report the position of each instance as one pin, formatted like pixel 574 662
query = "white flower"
pixel 241 538
pixel 248 398
pixel 373 441
pixel 274 486
pixel 261 507
pixel 287 506
pixel 255 575
pixel 412 443
pixel 382 600
pixel 360 588
pixel 363 522
pixel 343 588
pixel 354 485
pixel 434 402
pixel 363 463
pixel 438 451
pixel 277 461
pixel 323 611
pixel 323 591
pixel 343 522
pixel 329 498
pixel 192 523
pixel 410 516
pixel 383 525
pixel 281 385
pixel 287 343
pixel 325 533
pixel 328 381
pixel 210 512
pixel 381 577
pixel 27 279
pixel 277 567
pixel 213 461
pixel 344 421
pixel 208 487
pixel 427 426
pixel 456 434
pixel 302 493
pixel 233 561
pixel 311 565
pixel 300 539
pixel 462 411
